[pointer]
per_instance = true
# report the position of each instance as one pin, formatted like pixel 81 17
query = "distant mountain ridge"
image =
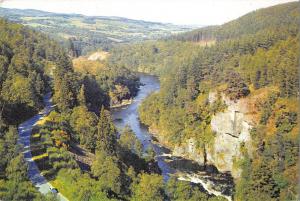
pixel 260 21
pixel 87 33
pixel 40 13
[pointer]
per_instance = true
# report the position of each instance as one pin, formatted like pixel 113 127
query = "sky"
pixel 189 12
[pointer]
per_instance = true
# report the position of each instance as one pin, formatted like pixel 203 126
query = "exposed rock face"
pixel 232 128
pixel 189 150
pixel 212 97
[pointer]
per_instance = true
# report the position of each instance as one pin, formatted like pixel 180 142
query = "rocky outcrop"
pixel 189 150
pixel 121 103
pixel 232 128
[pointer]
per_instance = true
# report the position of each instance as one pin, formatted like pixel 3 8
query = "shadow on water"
pixel 223 182
pixel 185 165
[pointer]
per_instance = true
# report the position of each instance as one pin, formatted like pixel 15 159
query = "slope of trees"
pixel 24 55
pixel 29 62
pixel 268 174
pixel 257 51
pixel 264 21
pixel 151 57
pixel 117 82
pixel 31 65
pixel 26 58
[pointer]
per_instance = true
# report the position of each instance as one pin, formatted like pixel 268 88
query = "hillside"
pixel 226 109
pixel 31 68
pixel 262 21
pixel 27 62
pixel 233 104
pixel 90 33
pixel 76 148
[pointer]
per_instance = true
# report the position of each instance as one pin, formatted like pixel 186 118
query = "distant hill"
pixel 272 19
pixel 83 33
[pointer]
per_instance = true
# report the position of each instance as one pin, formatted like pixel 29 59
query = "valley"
pixel 170 165
pixel 140 111
pixel 89 33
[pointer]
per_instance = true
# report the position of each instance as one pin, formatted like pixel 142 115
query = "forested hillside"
pixel 268 22
pixel 31 65
pixel 120 84
pixel 228 100
pixel 255 59
pixel 26 62
pixel 154 57
pixel 115 167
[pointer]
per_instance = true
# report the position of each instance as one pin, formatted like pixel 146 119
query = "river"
pixel 214 183
pixel 24 130
pixel 128 115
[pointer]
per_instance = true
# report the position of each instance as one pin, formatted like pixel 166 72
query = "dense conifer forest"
pixel 27 58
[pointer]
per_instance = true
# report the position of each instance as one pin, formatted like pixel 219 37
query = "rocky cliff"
pixel 232 129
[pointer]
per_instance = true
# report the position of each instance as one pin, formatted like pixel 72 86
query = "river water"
pixel 212 182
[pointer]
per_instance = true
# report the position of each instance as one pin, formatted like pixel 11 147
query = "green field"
pixel 90 33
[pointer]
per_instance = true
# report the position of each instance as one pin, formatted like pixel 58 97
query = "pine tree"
pixel 106 138
pixel 39 86
pixel 262 182
pixel 236 86
pixel 63 92
pixel 17 169
pixel 72 49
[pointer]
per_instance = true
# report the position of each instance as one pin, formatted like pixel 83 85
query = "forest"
pixel 119 83
pixel 27 58
pixel 31 66
pixel 254 58
pixel 249 57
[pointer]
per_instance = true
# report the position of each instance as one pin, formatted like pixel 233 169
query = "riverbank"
pixel 169 163
pixel 25 130
pixel 188 169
